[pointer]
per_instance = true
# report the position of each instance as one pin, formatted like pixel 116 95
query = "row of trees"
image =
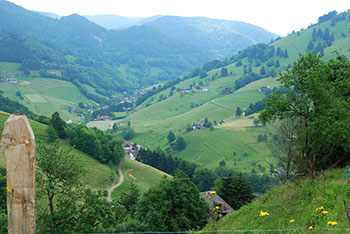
pixel 166 163
pixel 100 145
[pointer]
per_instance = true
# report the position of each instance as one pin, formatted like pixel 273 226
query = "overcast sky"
pixel 278 16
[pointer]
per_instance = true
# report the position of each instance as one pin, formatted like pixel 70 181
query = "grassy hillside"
pixel 142 175
pixel 174 110
pixel 97 176
pixel 297 201
pixel 41 95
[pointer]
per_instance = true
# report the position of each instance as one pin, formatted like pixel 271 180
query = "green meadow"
pixel 45 96
pixel 142 175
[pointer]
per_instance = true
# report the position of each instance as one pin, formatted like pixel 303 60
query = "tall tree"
pixel 180 144
pixel 171 137
pixel 236 191
pixel 58 124
pixel 130 198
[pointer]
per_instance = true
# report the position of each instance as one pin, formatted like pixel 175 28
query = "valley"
pixel 197 95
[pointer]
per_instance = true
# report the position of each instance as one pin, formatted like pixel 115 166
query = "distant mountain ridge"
pixel 159 49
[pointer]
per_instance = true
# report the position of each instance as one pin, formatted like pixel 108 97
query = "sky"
pixel 277 16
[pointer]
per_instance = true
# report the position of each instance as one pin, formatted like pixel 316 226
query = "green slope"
pixel 41 95
pixel 142 175
pixel 97 176
pixel 163 112
pixel 296 201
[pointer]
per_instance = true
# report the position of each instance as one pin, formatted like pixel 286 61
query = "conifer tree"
pixel 236 191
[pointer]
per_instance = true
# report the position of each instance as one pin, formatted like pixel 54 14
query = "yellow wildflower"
pixel 262 213
pixel 319 208
pixel 310 228
pixel 324 212
pixel 332 223
pixel 8 189
pixel 291 221
pixel 217 207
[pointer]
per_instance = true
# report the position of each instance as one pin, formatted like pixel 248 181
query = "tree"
pixel 310 46
pixel 236 191
pixel 316 95
pixel 58 124
pixel 180 144
pixel 222 163
pixel 277 63
pixel 115 127
pixel 173 205
pixel 51 132
pixel 130 198
pixel 171 137
pixel 284 145
pixel 262 71
pixel 314 35
pixel 26 72
pixel 71 207
pixel 223 72
pixel 204 179
pixel 238 111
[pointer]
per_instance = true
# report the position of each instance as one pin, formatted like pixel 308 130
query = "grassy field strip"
pixel 143 175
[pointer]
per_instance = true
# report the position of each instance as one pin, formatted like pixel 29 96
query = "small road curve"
pixel 121 180
pixel 214 102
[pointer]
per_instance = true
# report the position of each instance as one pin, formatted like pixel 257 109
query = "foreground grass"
pixel 295 201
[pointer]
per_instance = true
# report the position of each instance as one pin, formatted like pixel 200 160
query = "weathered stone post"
pixel 18 147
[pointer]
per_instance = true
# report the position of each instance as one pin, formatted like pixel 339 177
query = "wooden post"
pixel 347 210
pixel 18 146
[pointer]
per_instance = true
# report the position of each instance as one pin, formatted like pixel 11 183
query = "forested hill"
pixel 139 55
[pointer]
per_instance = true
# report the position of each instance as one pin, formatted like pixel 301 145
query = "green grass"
pixel 45 96
pixel 143 175
pixel 9 67
pixel 296 201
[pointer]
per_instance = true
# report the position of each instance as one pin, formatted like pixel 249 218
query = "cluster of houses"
pixel 131 149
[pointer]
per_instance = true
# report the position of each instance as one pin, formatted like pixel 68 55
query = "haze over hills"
pixel 138 55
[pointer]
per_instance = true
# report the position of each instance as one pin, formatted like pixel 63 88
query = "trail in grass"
pixel 214 102
pixel 121 180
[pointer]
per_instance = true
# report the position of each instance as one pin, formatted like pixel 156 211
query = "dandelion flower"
pixel 262 213
pixel 324 212
pixel 310 228
pixel 291 221
pixel 333 223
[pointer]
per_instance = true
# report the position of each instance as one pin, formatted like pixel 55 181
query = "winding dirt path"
pixel 121 180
